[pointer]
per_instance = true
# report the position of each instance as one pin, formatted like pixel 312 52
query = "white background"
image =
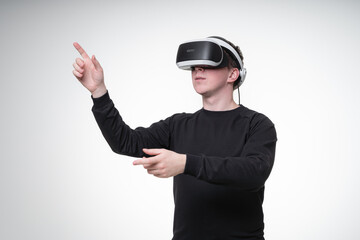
pixel 60 180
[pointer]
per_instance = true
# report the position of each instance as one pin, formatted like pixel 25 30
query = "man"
pixel 219 156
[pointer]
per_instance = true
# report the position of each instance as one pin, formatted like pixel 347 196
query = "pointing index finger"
pixel 81 50
pixel 145 161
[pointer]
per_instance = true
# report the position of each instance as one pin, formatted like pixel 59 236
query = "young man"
pixel 219 156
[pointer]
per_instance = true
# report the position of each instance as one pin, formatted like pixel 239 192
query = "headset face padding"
pixel 207 52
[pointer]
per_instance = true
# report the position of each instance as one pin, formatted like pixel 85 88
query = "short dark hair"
pixel 232 60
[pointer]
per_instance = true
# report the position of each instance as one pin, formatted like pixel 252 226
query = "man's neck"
pixel 216 103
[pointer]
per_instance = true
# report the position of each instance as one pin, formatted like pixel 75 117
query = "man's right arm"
pixel 120 137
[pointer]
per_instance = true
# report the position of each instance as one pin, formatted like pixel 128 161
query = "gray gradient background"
pixel 60 180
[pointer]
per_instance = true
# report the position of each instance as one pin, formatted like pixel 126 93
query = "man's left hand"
pixel 163 163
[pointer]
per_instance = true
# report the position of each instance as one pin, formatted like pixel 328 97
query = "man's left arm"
pixel 248 171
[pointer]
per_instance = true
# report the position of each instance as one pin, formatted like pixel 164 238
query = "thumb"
pixel 96 63
pixel 152 151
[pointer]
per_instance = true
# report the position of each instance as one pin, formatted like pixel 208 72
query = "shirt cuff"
pixel 193 165
pixel 101 101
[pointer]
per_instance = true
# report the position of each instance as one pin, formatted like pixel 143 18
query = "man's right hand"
pixel 89 72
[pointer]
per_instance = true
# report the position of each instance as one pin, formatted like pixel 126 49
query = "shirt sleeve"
pixel 120 137
pixel 250 170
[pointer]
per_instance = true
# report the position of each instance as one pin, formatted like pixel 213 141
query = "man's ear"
pixel 233 75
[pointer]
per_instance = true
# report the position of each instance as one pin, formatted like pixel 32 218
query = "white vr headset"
pixel 208 52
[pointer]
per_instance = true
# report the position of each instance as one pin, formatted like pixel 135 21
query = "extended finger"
pixel 80 50
pixel 145 161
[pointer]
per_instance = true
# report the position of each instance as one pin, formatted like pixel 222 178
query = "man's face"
pixel 210 81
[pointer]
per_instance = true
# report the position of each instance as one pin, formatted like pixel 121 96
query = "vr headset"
pixel 208 53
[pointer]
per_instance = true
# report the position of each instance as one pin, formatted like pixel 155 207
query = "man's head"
pixel 212 52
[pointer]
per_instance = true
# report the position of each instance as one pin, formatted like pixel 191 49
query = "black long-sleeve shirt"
pixel 229 156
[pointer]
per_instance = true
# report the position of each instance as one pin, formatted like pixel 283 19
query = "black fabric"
pixel 230 155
